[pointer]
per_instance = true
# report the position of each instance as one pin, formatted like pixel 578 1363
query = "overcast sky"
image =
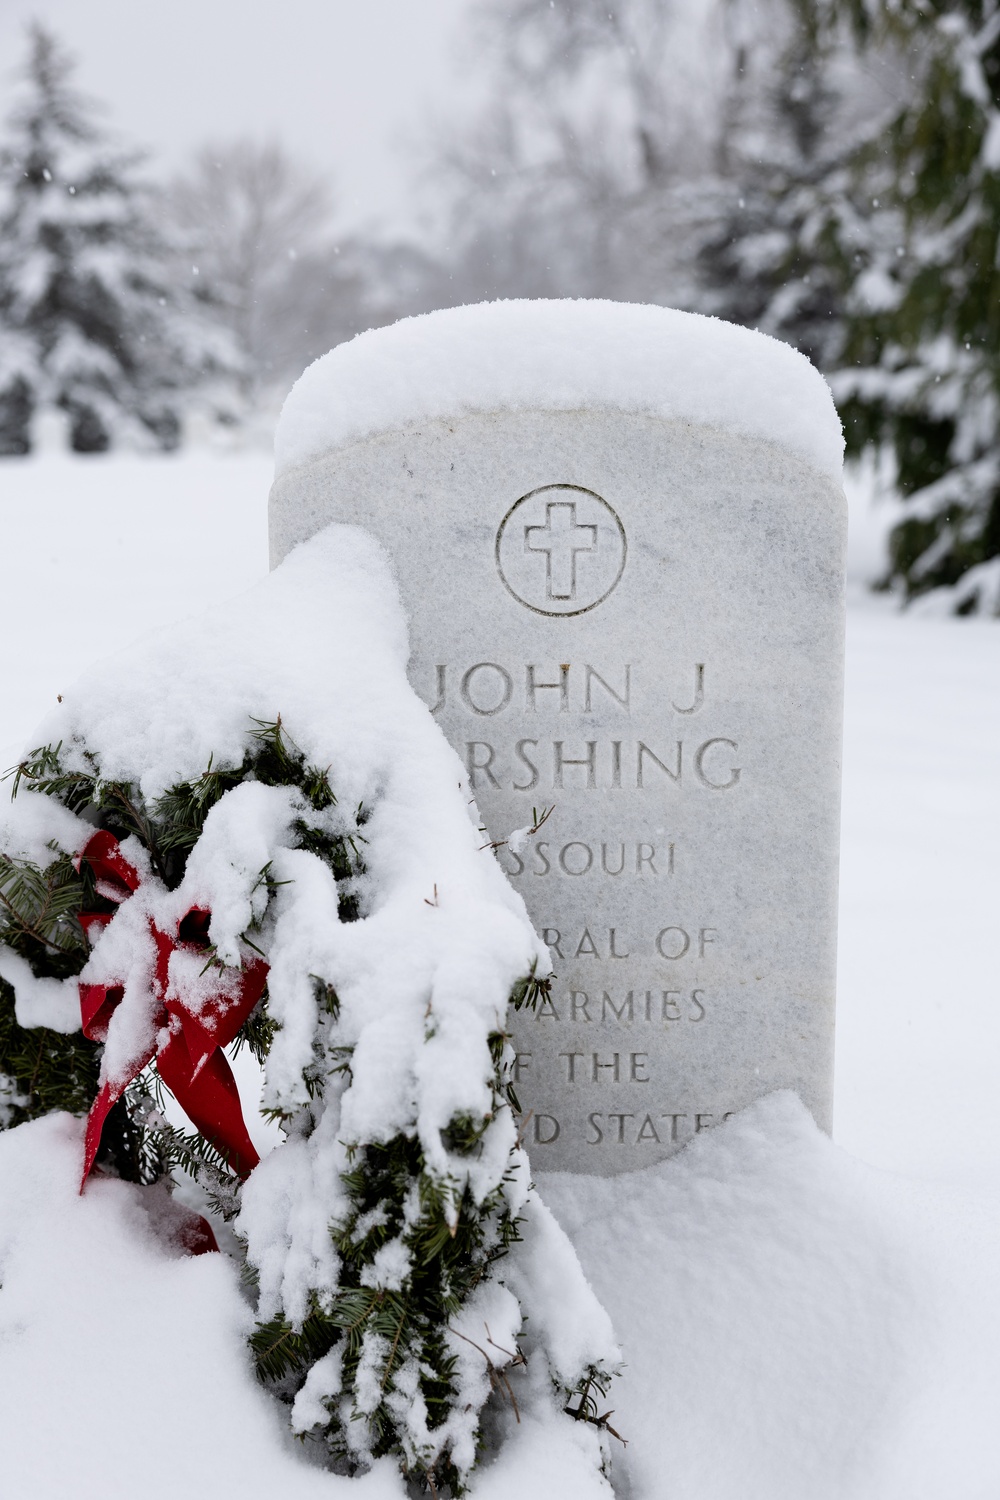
pixel 344 83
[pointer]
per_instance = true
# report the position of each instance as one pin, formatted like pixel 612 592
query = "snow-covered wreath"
pixel 182 871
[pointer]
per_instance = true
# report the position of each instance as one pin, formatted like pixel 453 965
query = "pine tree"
pixel 781 258
pixel 921 363
pixel 90 321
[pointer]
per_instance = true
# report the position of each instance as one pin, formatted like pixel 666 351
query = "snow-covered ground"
pixel 813 1326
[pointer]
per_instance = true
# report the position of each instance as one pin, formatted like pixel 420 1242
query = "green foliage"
pixel 390 1334
pixel 162 1148
pixel 39 909
pixel 171 827
pixel 452 1242
pixel 42 1070
pixel 40 914
pixel 780 256
pixel 529 991
pixel 920 366
pixel 867 233
pixel 595 1382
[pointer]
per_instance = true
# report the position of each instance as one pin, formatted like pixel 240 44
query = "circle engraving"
pixel 561 550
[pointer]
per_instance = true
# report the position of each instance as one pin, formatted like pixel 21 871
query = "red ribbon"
pixel 190 1062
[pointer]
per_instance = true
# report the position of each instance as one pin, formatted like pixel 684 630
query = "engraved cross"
pixel 560 539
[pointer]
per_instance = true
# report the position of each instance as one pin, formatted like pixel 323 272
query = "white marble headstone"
pixel 619 534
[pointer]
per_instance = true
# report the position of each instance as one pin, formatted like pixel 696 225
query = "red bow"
pixel 190 1062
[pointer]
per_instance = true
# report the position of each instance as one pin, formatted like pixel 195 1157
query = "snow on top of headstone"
pixel 562 356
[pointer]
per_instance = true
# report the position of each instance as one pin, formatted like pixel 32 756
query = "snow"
pixel 321 643
pixel 800 1317
pixel 122 1358
pixel 802 1324
pixel 41 1002
pixel 558 356
pixel 918 1039
pixel 100 549
pixel 421 980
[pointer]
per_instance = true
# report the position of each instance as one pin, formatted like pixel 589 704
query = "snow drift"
pixel 562 356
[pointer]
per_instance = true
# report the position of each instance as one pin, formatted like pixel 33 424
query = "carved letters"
pixel 488 690
pixel 624 1127
pixel 627 1007
pixel 579 858
pixel 554 765
pixel 633 991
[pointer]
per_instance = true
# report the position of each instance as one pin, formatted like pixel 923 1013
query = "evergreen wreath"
pixel 374 1362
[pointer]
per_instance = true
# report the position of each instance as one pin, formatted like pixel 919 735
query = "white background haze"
pixel 340 84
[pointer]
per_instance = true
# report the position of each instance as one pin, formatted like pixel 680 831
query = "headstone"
pixel 619 534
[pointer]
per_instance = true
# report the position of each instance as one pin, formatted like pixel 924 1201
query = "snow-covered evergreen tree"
pixel 921 366
pixel 799 227
pixel 90 321
pixel 867 233
pixel 779 259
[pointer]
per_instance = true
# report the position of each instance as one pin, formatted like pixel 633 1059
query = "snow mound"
pixel 796 1325
pixel 386 1020
pixel 562 356
pixel 322 640
pixel 105 1330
